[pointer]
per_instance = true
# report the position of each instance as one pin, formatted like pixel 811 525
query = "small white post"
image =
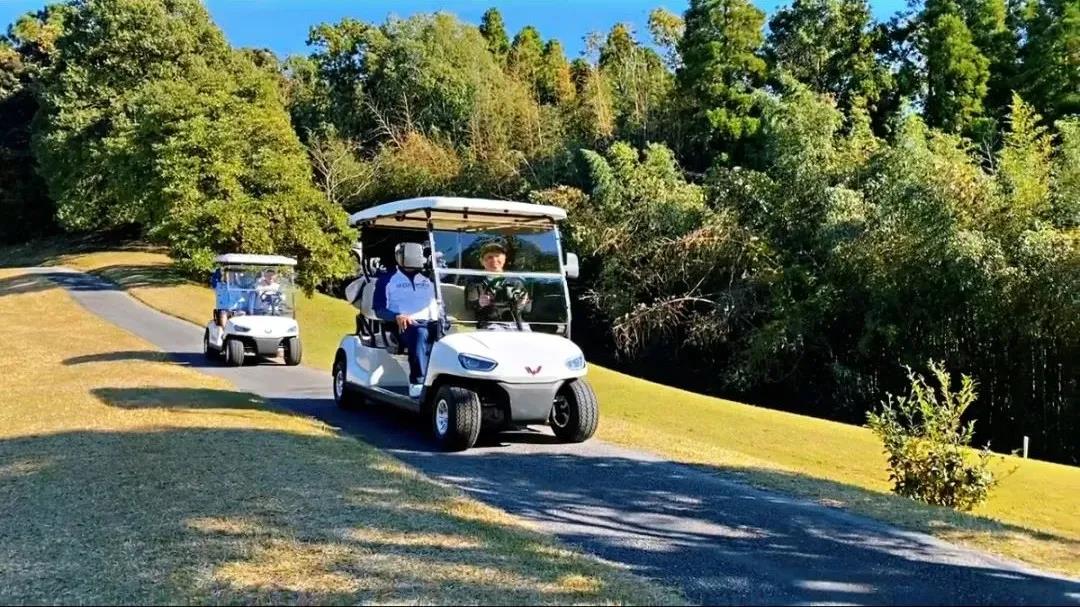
pixel 1026 441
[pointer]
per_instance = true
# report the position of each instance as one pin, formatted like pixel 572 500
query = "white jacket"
pixel 415 298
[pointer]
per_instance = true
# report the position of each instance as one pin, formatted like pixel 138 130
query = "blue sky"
pixel 282 25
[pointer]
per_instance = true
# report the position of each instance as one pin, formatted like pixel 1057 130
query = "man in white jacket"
pixel 410 298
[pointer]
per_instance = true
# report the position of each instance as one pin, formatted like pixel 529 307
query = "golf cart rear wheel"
pixel 345 397
pixel 575 412
pixel 293 351
pixel 234 352
pixel 455 418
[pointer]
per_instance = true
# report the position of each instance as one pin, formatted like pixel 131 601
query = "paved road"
pixel 720 541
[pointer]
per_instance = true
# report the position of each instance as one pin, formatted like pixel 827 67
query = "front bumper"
pixel 530 403
pixel 266 346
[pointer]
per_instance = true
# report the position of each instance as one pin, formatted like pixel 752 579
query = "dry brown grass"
pixel 142 481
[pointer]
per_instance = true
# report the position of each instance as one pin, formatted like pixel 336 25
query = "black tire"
pixel 210 353
pixel 294 351
pixel 575 413
pixel 461 408
pixel 234 352
pixel 345 397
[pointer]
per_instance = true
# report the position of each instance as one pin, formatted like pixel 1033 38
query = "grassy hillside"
pixel 1034 515
pixel 127 479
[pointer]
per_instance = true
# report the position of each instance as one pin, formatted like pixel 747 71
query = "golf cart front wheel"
pixel 208 352
pixel 455 418
pixel 234 352
pixel 575 412
pixel 293 351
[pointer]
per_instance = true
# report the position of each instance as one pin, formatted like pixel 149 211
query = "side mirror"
pixel 571 265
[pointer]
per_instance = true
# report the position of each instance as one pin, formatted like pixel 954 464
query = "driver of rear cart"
pixel 266 287
pixel 480 292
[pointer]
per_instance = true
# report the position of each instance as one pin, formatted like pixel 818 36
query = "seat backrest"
pixel 453 297
pixel 368 294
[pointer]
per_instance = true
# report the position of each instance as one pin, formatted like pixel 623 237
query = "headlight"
pixel 241 329
pixel 576 363
pixel 476 363
pixel 293 329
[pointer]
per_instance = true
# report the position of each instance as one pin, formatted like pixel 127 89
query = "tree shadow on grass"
pixel 179 398
pixel 258 516
pixel 187 359
pixel 134 276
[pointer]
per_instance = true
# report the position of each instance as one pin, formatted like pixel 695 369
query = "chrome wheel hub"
pixel 560 412
pixel 442 417
pixel 339 383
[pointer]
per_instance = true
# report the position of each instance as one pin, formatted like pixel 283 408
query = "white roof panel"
pixel 457 213
pixel 255 260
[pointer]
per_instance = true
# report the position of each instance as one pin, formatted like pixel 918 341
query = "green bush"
pixel 927 443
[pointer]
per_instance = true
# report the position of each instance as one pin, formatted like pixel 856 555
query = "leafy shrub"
pixel 927 443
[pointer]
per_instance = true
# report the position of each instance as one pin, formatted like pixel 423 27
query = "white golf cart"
pixel 254 310
pixel 506 364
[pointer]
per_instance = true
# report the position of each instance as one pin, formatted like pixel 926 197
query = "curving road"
pixel 720 541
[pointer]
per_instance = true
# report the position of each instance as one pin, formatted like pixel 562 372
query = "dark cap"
pixel 492 247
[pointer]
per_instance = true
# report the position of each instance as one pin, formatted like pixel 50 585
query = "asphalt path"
pixel 718 540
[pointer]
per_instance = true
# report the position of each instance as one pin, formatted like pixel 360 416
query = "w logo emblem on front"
pixel 533 371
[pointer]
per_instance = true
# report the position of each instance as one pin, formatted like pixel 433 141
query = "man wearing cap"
pixel 479 291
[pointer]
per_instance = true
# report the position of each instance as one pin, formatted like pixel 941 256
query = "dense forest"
pixel 786 210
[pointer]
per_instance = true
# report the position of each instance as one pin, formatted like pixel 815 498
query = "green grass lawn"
pixel 1034 515
pixel 128 479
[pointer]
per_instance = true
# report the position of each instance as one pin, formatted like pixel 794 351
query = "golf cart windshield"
pixel 255 290
pixel 528 293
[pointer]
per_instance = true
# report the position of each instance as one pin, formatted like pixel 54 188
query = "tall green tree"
pixel 721 68
pixel 667 30
pixel 998 42
pixel 342 55
pixel 150 119
pixel 956 74
pixel 494 31
pixel 829 45
pixel 640 83
pixel 25 54
pixel 1050 71
pixel 555 84
pixel 526 59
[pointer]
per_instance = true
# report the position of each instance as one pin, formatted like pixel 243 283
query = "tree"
pixel 829 45
pixel 555 85
pixel 150 119
pixel 25 54
pixel 1024 169
pixel 667 30
pixel 721 69
pixel 957 74
pixel 493 30
pixel 593 115
pixel 988 22
pixel 526 59
pixel 1050 70
pixel 342 55
pixel 1067 174
pixel 640 83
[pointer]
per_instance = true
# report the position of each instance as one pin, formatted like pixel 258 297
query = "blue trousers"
pixel 418 339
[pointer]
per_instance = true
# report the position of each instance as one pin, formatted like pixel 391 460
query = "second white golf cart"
pixel 507 364
pixel 254 310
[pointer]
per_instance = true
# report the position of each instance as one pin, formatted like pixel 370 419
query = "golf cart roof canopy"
pixel 457 214
pixel 243 259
